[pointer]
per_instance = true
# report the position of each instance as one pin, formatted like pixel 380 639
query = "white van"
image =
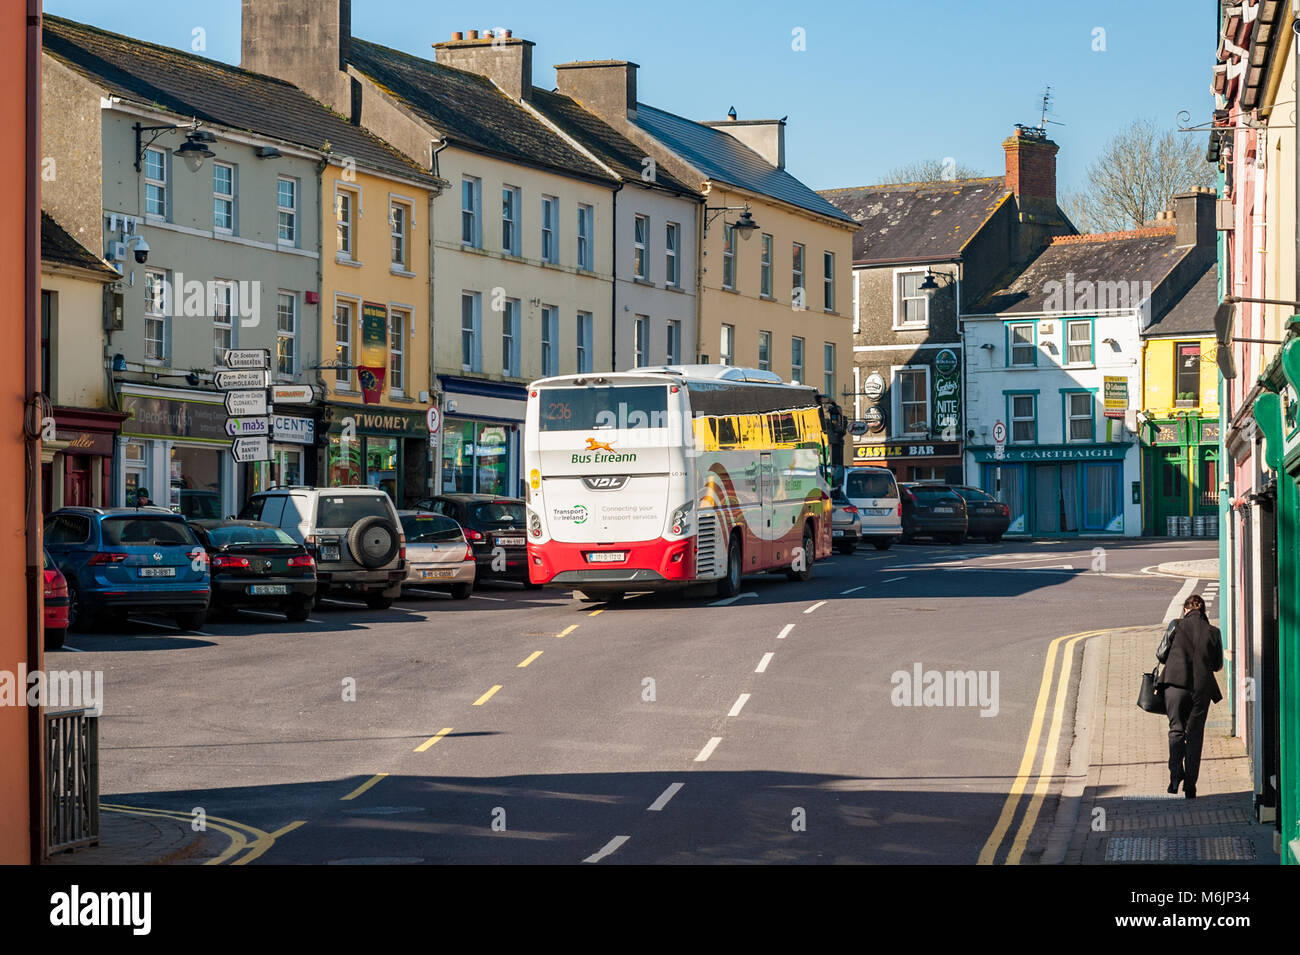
pixel 874 492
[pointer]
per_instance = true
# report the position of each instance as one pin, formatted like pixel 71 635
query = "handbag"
pixel 1151 696
pixel 1162 651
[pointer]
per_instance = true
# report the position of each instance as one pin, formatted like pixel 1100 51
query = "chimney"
pixel 765 136
pixel 605 87
pixel 1031 173
pixel 305 42
pixel 1194 218
pixel 504 59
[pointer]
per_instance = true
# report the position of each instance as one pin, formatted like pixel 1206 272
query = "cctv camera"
pixel 141 248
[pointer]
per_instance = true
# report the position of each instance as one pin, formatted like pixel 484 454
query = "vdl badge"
pixel 605 482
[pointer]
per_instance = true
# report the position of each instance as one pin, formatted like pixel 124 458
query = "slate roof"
pixel 470 110
pixel 920 221
pixel 60 248
pixel 725 159
pixel 1144 255
pixel 218 93
pixel 606 143
pixel 1193 313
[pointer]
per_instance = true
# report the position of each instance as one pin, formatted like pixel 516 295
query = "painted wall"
pixel 1158 376
pixel 76 341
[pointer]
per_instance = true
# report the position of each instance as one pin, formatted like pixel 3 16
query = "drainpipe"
pixel 613 289
pixel 322 473
pixel 701 230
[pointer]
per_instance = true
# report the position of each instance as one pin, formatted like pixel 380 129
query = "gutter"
pixel 32 531
pixel 613 288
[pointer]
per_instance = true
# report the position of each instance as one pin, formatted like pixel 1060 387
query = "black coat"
pixel 1194 657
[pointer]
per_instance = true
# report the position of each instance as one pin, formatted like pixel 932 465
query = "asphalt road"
pixel 529 727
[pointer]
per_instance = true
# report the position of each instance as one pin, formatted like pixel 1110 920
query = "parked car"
pixel 490 522
pixel 986 516
pixel 437 553
pixel 198 505
pixel 353 533
pixel 257 566
pixel 933 510
pixel 846 525
pixel 56 604
pixel 874 492
pixel 129 560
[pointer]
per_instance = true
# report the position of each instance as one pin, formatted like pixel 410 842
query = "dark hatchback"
pixel 257 566
pixel 490 522
pixel 986 516
pixel 933 510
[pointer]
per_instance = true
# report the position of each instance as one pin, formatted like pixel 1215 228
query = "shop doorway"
pixel 1056 498
pixel 1169 486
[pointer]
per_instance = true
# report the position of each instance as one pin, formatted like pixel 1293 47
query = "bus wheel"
pixel 729 585
pixel 808 556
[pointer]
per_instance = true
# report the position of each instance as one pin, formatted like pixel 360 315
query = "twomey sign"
pixel 407 424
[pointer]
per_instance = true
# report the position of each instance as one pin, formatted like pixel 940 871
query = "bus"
pixel 668 477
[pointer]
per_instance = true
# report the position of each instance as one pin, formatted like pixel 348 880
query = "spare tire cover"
pixel 373 542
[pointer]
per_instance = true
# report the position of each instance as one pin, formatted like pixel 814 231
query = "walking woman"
pixel 1195 655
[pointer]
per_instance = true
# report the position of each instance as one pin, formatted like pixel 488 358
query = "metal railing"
pixel 71 779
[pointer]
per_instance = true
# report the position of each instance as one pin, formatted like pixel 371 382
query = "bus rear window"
pixel 590 409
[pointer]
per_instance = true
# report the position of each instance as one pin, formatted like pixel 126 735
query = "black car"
pixel 986 516
pixel 257 566
pixel 495 528
pixel 933 510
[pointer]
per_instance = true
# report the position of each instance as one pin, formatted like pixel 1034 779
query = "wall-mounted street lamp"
pixel 744 224
pixel 929 285
pixel 194 150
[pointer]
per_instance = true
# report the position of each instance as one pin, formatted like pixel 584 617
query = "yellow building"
pixel 1180 411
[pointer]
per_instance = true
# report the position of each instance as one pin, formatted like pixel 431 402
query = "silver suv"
pixel 353 532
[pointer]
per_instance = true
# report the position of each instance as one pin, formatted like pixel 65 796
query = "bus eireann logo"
pixel 594 445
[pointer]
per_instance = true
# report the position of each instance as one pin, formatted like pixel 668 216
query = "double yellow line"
pixel 1063 647
pixel 243 838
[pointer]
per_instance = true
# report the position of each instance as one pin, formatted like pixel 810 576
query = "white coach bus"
pixel 667 477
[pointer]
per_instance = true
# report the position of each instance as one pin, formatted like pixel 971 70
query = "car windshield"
pixel 242 534
pixel 430 529
pixel 147 531
pixel 870 484
pixel 344 510
pixel 505 513
pixel 973 494
pixel 933 493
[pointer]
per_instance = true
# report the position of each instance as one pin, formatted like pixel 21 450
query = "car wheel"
pixel 191 621
pixel 298 612
pixel 809 556
pixel 993 538
pixel 461 591
pixel 54 638
pixel 847 549
pixel 78 619
pixel 729 585
pixel 882 543
pixel 378 601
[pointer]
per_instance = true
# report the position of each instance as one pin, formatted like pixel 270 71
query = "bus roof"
pixel 684 373
pixel 714 389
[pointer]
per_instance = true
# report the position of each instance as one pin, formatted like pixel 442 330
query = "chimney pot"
pixel 509 34
pixel 458 35
pixel 473 34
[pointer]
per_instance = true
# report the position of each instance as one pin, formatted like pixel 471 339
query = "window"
pixel 1189 372
pixel 223 332
pixel 343 344
pixel 912 306
pixel 399 222
pixel 765 268
pixel 727 349
pixel 584 238
pixel 155 183
pixel 1078 343
pixel 796 278
pixel 345 221
pixel 641 261
pixel 1079 416
pixel 471 321
pixel 510 339
pixel 912 385
pixel 286 204
pixel 764 351
pixel 674 353
pixel 510 220
pixel 471 199
pixel 828 363
pixel 49 308
pixel 583 363
pixel 641 331
pixel 1022 351
pixel 157 306
pixel 550 229
pixel 223 197
pixel 828 280
pixel 796 360
pixel 286 334
pixel 550 339
pixel 1024 419
pixel 728 256
pixel 399 324
pixel 672 235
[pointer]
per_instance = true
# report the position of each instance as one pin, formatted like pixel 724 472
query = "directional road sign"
pixel 242 379
pixel 250 449
pixel 292 394
pixel 248 358
pixel 243 404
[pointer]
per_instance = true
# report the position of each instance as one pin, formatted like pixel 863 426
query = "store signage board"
pixel 292 394
pixel 293 430
pixel 243 404
pixel 247 427
pixel 247 450
pixel 248 358
pixel 243 379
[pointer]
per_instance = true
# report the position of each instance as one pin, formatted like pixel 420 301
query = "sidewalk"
pixel 130 839
pixel 1120 767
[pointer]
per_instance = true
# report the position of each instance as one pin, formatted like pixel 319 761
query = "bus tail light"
pixel 681 520
pixel 534 524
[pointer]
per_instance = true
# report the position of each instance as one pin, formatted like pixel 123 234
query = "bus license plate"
pixel 429 574
pixel 607 557
pixel 258 590
pixel 157 571
pixel 510 541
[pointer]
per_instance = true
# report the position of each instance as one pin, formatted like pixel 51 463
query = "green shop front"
pixel 1063 490
pixel 1180 476
pixel 379 447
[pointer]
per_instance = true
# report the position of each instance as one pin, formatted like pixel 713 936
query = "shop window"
pixel 1188 385
pixel 344 461
pixel 476 458
pixel 1103 509
pixel 1024 419
pixel 383 464
pixel 195 482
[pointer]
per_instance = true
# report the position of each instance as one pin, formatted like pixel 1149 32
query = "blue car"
pixel 129 560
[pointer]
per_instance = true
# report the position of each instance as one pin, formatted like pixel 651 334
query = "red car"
pixel 56 606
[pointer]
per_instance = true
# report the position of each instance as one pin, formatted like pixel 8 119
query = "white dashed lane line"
pixel 610 847
pixel 709 747
pixel 667 794
pixel 815 606
pixel 762 664
pixel 739 705
pixel 852 590
pixel 785 631
pixel 728 601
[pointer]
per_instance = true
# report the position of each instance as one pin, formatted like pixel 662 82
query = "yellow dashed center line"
pixel 594 612
pixel 433 739
pixel 567 630
pixel 530 658
pixel 487 696
pixel 364 786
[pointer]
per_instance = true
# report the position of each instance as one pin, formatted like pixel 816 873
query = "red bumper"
pixel 672 560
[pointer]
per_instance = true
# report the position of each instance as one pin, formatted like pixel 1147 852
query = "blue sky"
pixel 880 83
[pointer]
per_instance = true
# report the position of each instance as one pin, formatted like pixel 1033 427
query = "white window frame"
pixel 1032 345
pixel 728 256
pixel 727 345
pixel 228 198
pixel 900 300
pixel 857 308
pixel 896 394
pixel 289 334
pixel 641 341
pixel 157 315
pixel 828 281
pixel 798 276
pixel 765 266
pixel 586 216
pixel 511 241
pixel 1091 359
pixel 511 332
pixel 551 233
pixel 641 247
pixel 346 227
pixel 1032 418
pixel 550 341
pixel 400 236
pixel 397 338
pixel 475 330
pixel 672 262
pixel 828 368
pixel 803 359
pixel 673 354
pixel 764 338
pixel 224 308
pixel 343 349
pixel 285 213
pixel 471 216
pixel 583 345
pixel 156 182
pixel 1090 416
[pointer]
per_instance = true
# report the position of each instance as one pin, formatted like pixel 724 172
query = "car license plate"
pixel 881 511
pixel 944 510
pixel 157 571
pixel 837 533
pixel 266 589
pixel 607 557
pixel 329 552
pixel 430 574
pixel 510 541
